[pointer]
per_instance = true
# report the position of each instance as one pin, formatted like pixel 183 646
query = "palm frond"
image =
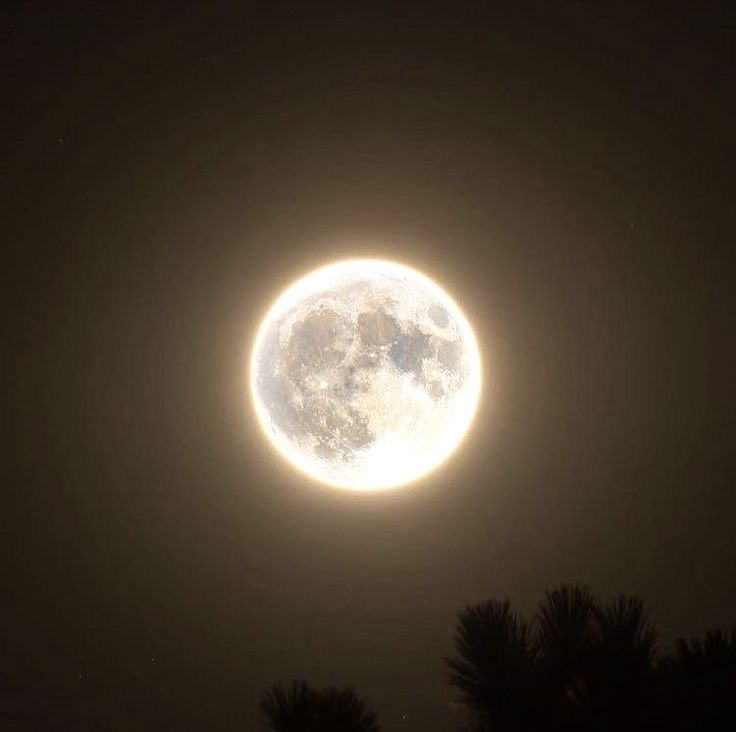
pixel 623 628
pixel 287 709
pixel 564 625
pixel 493 663
pixel 299 708
pixel 342 710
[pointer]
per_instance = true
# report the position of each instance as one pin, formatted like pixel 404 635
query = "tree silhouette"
pixel 495 673
pixel 288 710
pixel 620 663
pixel 299 708
pixel 623 630
pixel 563 638
pixel 580 664
pixel 697 688
pixel 564 628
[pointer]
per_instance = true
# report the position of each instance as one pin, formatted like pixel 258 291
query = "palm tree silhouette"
pixel 697 688
pixel 620 664
pixel 576 662
pixel 622 628
pixel 586 665
pixel 288 710
pixel 562 642
pixel 342 710
pixel 495 671
pixel 564 628
pixel 299 708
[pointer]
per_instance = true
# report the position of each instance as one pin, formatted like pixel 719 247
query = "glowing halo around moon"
pixel 365 374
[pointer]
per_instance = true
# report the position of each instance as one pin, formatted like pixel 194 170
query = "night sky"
pixel 564 169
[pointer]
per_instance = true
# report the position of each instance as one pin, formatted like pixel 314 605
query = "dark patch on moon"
pixel 377 328
pixel 408 350
pixel 449 354
pixel 311 346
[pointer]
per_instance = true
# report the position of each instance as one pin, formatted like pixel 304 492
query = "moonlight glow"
pixel 365 374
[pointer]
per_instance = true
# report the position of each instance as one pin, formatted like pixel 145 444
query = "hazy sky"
pixel 565 170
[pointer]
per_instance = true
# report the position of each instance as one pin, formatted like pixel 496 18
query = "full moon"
pixel 365 374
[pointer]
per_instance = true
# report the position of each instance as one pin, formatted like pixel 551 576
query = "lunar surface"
pixel 365 374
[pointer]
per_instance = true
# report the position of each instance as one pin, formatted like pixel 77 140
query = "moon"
pixel 365 374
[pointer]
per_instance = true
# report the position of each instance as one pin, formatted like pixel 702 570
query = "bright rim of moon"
pixel 365 374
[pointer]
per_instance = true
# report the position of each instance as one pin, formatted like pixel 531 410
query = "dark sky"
pixel 565 169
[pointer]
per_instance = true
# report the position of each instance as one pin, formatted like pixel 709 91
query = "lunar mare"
pixel 365 374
